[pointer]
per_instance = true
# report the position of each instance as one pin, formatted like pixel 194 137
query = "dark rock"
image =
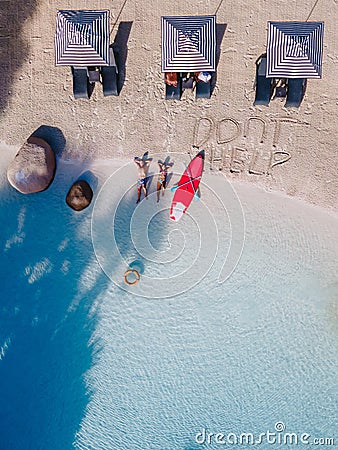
pixel 79 195
pixel 33 167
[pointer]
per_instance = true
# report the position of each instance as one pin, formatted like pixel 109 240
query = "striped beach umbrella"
pixel 82 38
pixel 295 49
pixel 188 44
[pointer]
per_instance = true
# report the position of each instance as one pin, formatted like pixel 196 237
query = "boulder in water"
pixel 33 167
pixel 79 195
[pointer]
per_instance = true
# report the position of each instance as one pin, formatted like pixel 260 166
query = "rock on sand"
pixel 80 195
pixel 33 167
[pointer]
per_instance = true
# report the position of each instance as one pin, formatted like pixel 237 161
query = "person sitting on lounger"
pixel 162 176
pixel 171 78
pixel 142 167
pixel 202 76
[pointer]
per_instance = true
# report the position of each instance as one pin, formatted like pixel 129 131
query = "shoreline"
pixel 104 165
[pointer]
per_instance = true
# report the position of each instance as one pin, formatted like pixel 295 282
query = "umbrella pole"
pixel 118 16
pixel 218 7
pixel 313 7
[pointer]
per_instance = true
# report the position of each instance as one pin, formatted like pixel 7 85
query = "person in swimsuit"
pixel 142 167
pixel 162 177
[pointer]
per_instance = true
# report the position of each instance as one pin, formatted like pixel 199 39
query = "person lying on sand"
pixel 142 167
pixel 162 176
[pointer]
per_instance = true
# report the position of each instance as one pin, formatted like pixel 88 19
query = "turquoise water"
pixel 84 364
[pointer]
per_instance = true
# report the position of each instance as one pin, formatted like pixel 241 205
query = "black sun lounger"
pixel 295 92
pixel 174 92
pixel 109 76
pixel 109 80
pixel 263 84
pixel 80 82
pixel 203 89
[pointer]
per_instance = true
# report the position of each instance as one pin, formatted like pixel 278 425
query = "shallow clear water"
pixel 85 364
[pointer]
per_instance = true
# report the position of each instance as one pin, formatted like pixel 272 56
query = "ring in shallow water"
pixel 135 273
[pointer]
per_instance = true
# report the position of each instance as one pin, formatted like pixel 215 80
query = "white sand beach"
pixel 34 92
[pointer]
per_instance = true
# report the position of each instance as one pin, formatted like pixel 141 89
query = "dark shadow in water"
pixel 120 46
pixel 14 50
pixel 49 287
pixel 54 136
pixel 45 270
pixel 90 178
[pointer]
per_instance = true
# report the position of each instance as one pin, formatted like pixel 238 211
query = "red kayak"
pixel 187 187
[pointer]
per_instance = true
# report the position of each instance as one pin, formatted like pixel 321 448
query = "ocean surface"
pixel 201 352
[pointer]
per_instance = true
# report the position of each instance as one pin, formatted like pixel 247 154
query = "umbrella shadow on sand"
pixel 120 47
pixel 220 30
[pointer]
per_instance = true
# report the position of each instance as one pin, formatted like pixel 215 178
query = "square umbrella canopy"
pixel 82 38
pixel 295 49
pixel 188 43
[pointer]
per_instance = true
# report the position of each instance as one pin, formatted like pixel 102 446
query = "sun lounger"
pixel 263 84
pixel 109 80
pixel 203 89
pixel 109 76
pixel 173 92
pixel 295 92
pixel 80 82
